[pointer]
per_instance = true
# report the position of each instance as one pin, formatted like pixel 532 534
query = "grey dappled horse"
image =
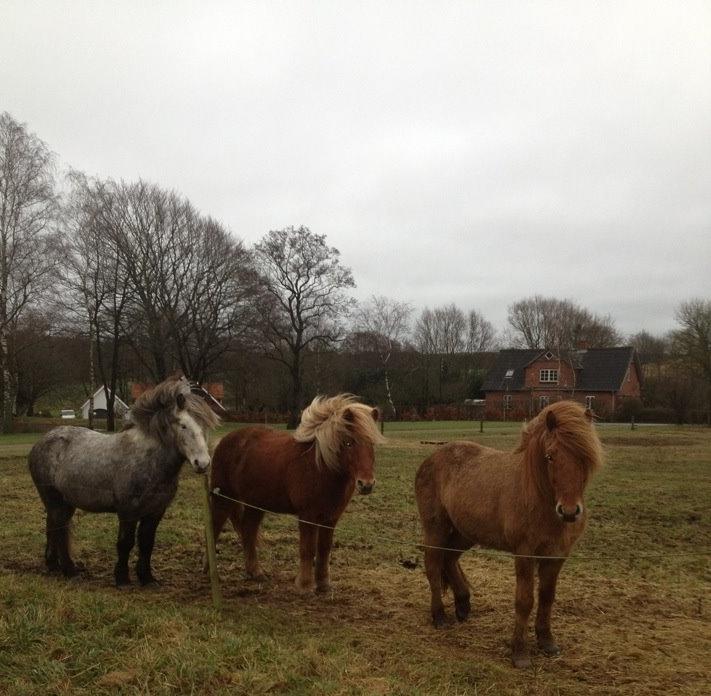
pixel 133 473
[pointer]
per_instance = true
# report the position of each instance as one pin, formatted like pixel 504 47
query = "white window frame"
pixel 548 376
pixel 543 401
pixel 507 402
pixel 589 402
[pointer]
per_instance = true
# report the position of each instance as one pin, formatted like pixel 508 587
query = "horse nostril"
pixel 363 487
pixel 559 510
pixel 578 510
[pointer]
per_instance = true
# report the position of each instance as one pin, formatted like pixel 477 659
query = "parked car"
pixel 67 413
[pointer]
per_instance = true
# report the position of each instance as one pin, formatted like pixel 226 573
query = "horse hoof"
pixel 304 588
pixel 521 661
pixel 323 589
pixel 439 621
pixel 462 611
pixel 149 582
pixel 549 648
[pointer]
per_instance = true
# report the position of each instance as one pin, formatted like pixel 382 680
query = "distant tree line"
pixel 104 282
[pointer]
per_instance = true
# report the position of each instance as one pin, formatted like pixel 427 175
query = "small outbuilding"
pixel 100 405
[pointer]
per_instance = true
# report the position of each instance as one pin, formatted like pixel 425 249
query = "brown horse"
pixel 528 502
pixel 311 475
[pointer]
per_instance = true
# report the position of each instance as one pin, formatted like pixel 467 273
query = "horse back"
pixel 258 466
pixel 470 486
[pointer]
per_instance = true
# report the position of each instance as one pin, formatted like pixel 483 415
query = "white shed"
pixel 120 407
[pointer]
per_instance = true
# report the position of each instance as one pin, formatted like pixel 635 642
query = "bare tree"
pixel 544 322
pixel 692 342
pixel 98 286
pixel 481 335
pixel 28 207
pixel 441 333
pixel 214 288
pixel 383 324
pixel 302 300
pixel 652 350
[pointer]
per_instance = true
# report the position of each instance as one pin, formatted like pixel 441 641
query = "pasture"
pixel 633 610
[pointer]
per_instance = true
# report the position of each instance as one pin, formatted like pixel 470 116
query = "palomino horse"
pixel 133 473
pixel 311 475
pixel 528 502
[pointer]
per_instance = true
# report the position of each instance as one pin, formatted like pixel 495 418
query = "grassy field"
pixel 633 614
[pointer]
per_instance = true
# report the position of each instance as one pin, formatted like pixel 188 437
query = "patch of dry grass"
pixel 629 623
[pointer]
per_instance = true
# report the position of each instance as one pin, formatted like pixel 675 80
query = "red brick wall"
pixel 631 386
pixel 526 404
pixel 565 374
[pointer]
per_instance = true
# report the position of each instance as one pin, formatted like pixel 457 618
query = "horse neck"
pixel 338 476
pixel 167 458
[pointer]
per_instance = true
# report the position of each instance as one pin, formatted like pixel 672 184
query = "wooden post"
pixel 481 425
pixel 210 543
pixel 632 428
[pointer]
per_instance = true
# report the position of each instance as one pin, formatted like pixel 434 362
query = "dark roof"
pixel 604 369
pixel 515 360
pixel 597 369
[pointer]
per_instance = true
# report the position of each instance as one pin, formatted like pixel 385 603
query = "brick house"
pixel 522 382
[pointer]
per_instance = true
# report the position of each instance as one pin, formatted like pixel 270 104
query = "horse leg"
pixel 146 539
pixel 124 544
pixel 454 574
pixel 323 556
pixel 458 581
pixel 434 568
pixel 548 571
pixel 249 523
pixel 58 554
pixel 437 527
pixel 524 603
pixel 307 550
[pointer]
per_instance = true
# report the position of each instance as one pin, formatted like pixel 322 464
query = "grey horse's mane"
pixel 152 413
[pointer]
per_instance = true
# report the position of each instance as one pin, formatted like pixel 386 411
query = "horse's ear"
pixel 376 415
pixel 551 423
pixel 180 401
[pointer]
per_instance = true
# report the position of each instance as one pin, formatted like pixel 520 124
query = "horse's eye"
pixel 549 457
pixel 183 426
pixel 349 443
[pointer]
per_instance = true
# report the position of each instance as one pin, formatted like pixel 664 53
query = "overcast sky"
pixel 475 153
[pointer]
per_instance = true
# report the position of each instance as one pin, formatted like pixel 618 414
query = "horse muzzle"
pixel 365 487
pixel 569 515
pixel 201 467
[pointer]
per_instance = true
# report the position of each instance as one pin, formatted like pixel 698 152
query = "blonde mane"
pixel 573 432
pixel 328 420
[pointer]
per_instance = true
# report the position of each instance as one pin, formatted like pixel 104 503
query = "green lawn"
pixel 633 613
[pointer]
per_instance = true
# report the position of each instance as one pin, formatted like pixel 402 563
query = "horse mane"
pixel 328 420
pixel 573 432
pixel 152 411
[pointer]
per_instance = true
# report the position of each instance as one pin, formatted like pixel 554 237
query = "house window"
pixel 507 402
pixel 589 402
pixel 509 374
pixel 543 401
pixel 549 376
